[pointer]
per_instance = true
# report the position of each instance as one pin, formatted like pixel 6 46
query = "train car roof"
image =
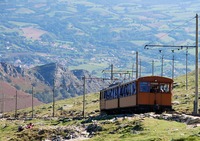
pixel 144 78
pixel 118 84
pixel 155 79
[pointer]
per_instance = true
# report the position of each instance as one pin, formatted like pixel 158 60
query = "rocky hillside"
pixel 11 81
pixel 17 81
pixel 67 83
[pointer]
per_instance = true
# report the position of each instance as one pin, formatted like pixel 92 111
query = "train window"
pixel 111 93
pixel 105 94
pixel 159 88
pixel 115 92
pixel 133 88
pixel 144 86
pixel 154 88
pixel 164 88
pixel 120 91
pixel 123 91
pixel 129 89
pixel 101 95
pixel 126 90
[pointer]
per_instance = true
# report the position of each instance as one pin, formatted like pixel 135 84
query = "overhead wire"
pixel 173 30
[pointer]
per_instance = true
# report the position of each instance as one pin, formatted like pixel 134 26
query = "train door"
pixel 161 93
pixel 102 100
pixel 166 94
pixel 155 95
pixel 143 93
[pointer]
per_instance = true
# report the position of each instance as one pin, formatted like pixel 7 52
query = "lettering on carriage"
pixel 120 91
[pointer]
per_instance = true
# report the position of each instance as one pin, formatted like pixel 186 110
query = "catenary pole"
pixel 53 98
pixel 16 105
pixel 186 70
pixel 140 67
pixel 111 77
pixel 196 103
pixel 173 66
pixel 162 66
pixel 84 96
pixel 32 102
pixel 137 65
pixel 152 67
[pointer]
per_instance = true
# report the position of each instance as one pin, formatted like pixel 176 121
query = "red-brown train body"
pixel 146 94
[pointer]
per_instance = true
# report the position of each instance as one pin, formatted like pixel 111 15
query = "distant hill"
pixel 18 81
pixel 11 81
pixel 92 34
pixel 68 83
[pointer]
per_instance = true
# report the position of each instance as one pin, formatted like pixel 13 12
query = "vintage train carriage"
pixel 150 93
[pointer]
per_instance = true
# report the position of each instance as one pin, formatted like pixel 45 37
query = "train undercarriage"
pixel 138 109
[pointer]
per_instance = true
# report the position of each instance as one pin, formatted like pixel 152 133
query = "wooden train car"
pixel 146 94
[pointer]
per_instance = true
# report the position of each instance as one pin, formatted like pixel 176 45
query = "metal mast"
pixel 136 65
pixel 16 105
pixel 173 65
pixel 162 65
pixel 84 91
pixel 32 102
pixel 186 70
pixel 152 67
pixel 196 103
pixel 53 114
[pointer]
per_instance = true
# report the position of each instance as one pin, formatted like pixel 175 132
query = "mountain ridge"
pixel 39 81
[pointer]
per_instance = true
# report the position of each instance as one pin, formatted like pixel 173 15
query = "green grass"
pixel 147 129
pixel 183 96
pixel 132 129
pixel 8 129
pixel 122 129
pixel 62 108
pixel 72 109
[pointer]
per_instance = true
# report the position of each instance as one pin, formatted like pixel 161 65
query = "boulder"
pixel 193 120
pixel 175 103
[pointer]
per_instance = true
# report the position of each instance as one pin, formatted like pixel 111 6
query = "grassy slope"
pixel 131 128
pixel 71 108
pixel 183 96
pixel 145 130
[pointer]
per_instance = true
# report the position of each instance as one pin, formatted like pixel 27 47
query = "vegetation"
pixel 184 98
pixel 147 130
pixel 122 129
pixel 91 34
pixel 68 117
pixel 88 32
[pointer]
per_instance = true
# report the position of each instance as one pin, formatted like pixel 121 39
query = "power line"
pixel 173 30
pixel 195 110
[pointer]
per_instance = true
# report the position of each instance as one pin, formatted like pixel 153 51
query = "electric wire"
pixel 172 30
